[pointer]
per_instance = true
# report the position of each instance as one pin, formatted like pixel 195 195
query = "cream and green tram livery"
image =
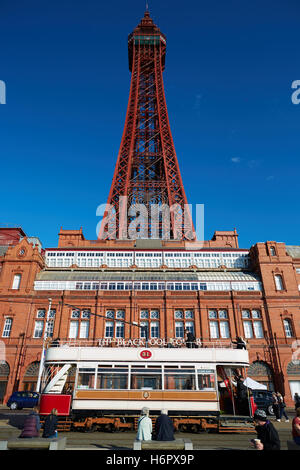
pixel 120 381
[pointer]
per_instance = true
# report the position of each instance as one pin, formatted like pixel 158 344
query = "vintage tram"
pixel 105 388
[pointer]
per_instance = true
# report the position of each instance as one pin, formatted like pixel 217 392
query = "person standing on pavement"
pixel 297 400
pixel 144 432
pixel 296 427
pixel 275 406
pixel 282 407
pixel 267 436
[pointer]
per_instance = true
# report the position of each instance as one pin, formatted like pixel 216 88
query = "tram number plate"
pixel 146 354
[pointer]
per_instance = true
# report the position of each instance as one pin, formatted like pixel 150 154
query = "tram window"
pixel 179 381
pixel 206 381
pixel 112 380
pixel 146 380
pixel 86 378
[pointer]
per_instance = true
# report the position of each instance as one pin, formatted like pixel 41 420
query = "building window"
pixel 189 314
pixel 7 328
pixel 179 329
pixel 79 324
pixel 73 331
pixel 253 325
pixel 41 313
pixel 154 329
pixel 16 281
pixel 272 251
pixel 85 314
pixel 178 314
pixel 38 329
pixel 214 329
pixel 120 314
pixel 110 314
pixel 182 322
pixel 154 314
pixel 119 329
pixel 50 328
pixel 109 329
pixel 218 323
pixel 278 282
pixel 75 313
pixel 189 325
pixel 114 328
pixel 52 313
pixel 288 329
pixel 84 329
pixel 144 314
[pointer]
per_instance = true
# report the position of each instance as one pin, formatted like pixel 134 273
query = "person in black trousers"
pixel 275 406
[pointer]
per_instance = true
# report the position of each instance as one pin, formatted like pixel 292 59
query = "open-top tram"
pixel 110 385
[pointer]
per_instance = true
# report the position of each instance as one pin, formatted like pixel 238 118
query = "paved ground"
pixel 11 423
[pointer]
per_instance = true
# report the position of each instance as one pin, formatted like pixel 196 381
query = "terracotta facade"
pixel 268 316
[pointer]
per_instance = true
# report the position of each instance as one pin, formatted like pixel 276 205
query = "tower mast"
pixel 147 171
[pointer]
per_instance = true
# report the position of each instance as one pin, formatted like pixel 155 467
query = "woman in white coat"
pixel 144 432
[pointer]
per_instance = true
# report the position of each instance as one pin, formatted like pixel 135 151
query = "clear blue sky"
pixel 230 66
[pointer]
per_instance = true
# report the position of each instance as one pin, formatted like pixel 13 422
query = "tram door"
pixel 226 389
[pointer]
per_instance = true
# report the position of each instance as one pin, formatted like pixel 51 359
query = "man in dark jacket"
pixel 190 339
pixel 242 396
pixel 164 428
pixel 267 436
pixel 50 426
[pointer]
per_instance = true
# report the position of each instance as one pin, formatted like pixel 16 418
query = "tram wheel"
pixel 92 428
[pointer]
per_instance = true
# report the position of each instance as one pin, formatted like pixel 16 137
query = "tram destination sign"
pixel 138 342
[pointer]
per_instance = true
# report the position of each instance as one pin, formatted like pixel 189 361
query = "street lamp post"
pixel 42 361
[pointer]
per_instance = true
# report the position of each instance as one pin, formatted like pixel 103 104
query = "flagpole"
pixel 42 361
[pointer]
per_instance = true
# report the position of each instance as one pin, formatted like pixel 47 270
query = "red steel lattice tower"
pixel 147 171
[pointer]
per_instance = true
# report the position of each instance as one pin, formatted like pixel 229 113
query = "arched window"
pixel 262 373
pixel 288 328
pixel 293 368
pixel 16 281
pixel 278 282
pixel 33 369
pixel 4 369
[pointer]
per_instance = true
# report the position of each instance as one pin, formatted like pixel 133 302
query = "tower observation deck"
pixel 147 194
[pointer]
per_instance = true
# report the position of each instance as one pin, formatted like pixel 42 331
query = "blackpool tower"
pixel 147 180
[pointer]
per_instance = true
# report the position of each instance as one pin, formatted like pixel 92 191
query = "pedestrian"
pixel 296 427
pixel 267 436
pixel 32 424
pixel 297 400
pixel 144 432
pixel 164 429
pixel 50 425
pixel 275 406
pixel 282 407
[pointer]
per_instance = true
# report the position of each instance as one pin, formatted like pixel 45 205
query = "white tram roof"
pixel 222 356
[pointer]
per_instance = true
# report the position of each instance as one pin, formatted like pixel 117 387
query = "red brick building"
pixel 219 291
